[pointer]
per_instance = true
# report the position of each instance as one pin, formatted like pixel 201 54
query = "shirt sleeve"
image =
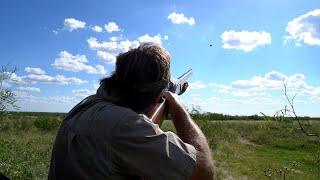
pixel 143 149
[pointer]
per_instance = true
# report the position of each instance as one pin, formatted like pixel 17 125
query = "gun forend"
pixel 176 87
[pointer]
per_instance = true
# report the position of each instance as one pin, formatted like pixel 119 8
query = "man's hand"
pixel 184 88
pixel 189 132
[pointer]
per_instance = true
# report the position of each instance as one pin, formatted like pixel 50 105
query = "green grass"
pixel 25 150
pixel 240 149
pixel 262 150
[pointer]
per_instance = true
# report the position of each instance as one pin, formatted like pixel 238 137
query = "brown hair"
pixel 140 74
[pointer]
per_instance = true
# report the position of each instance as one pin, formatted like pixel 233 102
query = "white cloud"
pixel 82 92
pixel 202 102
pixel 58 79
pixel 72 24
pixel 96 45
pixel 97 29
pixel 260 93
pixel 108 50
pixel 33 70
pixel 28 89
pixel 255 82
pixel 112 27
pixel 62 99
pixel 76 63
pixel 274 75
pixel 241 93
pixel 305 28
pixel 244 93
pixel 271 80
pixel 194 95
pixel 197 85
pixel 114 38
pixel 34 78
pixel 220 87
pixel 148 38
pixel 245 40
pixel 213 99
pixel 262 87
pixel 123 45
pixel 100 69
pixel 126 45
pixel 254 101
pixel 180 18
pixel 106 56
pixel 48 99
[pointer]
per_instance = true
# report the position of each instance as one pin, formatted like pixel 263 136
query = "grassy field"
pixel 242 149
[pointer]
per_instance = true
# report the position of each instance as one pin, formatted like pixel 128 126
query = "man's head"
pixel 140 76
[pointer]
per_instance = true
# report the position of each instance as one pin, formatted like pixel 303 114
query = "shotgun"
pixel 178 87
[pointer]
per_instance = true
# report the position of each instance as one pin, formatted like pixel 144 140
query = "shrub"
pixel 46 123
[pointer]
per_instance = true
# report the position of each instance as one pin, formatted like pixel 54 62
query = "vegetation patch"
pixel 241 149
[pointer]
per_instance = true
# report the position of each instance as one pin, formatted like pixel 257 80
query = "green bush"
pixel 47 123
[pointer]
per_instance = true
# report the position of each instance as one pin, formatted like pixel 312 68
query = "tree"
pixel 7 96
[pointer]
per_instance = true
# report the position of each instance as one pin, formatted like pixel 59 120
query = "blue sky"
pixel 63 48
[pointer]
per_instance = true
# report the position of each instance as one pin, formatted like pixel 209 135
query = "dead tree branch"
pixel 293 111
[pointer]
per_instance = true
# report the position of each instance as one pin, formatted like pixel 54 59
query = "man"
pixel 108 135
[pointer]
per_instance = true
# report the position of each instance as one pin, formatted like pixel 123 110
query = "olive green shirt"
pixel 100 140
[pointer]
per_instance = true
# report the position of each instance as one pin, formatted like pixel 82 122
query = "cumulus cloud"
pixel 46 79
pixel 154 39
pixel 258 93
pixel 271 80
pixel 76 63
pixel 82 92
pixel 100 69
pixel 305 28
pixel 260 86
pixel 48 99
pixel 108 50
pixel 220 87
pixel 96 45
pixel 255 100
pixel 32 70
pixel 106 56
pixel 244 93
pixel 114 38
pixel 266 89
pixel 28 89
pixel 112 27
pixel 245 40
pixel 72 24
pixel 97 29
pixel 123 45
pixel 12 78
pixel 180 18
pixel 197 85
pixel 274 75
